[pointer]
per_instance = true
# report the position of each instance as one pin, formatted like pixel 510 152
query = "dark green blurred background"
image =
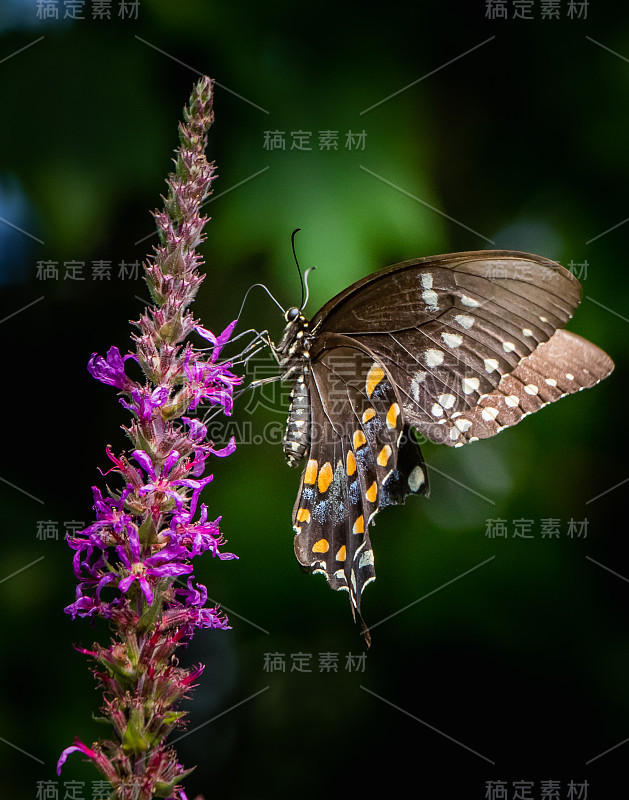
pixel 522 141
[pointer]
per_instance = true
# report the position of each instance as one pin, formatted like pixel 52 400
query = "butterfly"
pixel 457 347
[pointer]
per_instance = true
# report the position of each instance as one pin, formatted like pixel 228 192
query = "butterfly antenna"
pixel 308 271
pixel 262 286
pixel 301 277
pixel 305 292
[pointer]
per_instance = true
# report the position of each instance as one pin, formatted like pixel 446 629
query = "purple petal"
pixel 104 581
pixel 206 334
pixel 78 746
pixel 144 460
pixel 196 429
pixel 170 553
pixel 159 396
pixel 195 484
pixel 197 467
pixel 170 461
pixel 83 607
pixel 225 451
pixel 125 583
pixel 169 570
pixel 217 341
pixel 146 589
pixel 110 370
pixel 133 540
pixel 122 555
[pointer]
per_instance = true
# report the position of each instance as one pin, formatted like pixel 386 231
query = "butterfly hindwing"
pixel 565 364
pixel 361 459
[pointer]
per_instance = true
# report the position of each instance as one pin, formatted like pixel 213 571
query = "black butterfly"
pixel 456 346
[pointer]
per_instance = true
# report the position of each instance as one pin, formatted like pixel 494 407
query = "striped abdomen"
pixel 297 435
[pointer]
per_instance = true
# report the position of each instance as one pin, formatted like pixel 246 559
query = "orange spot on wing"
pixel 384 455
pixel 321 546
pixel 340 556
pixel 372 492
pixel 370 413
pixel 392 415
pixel 359 525
pixel 310 475
pixel 359 439
pixel 325 477
pixel 303 515
pixel 374 376
pixel 351 463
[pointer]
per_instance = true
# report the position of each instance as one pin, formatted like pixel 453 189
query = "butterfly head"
pixel 295 340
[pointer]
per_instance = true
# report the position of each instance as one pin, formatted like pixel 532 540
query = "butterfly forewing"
pixel 507 284
pixel 477 317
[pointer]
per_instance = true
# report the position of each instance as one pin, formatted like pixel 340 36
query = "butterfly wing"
pixel 471 340
pixel 507 285
pixel 361 458
pixel 459 346
pixel 565 364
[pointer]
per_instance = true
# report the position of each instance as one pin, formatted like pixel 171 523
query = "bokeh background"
pixel 503 659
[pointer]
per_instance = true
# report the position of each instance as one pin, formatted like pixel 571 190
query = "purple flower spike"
pixel 130 561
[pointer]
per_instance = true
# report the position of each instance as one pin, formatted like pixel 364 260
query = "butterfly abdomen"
pixel 297 435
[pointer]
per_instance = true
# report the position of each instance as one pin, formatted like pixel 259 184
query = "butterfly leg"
pixel 260 339
pixel 262 382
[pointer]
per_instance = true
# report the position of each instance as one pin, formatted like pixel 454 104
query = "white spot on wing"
pixel 416 479
pixel 491 364
pixel 426 280
pixel 508 347
pixel 452 339
pixel 512 401
pixel 446 400
pixel 470 385
pixel 464 320
pixel 437 411
pixel 420 377
pixel 469 301
pixel 429 297
pixel 434 357
pixel 489 414
pixel 531 388
pixel 463 424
